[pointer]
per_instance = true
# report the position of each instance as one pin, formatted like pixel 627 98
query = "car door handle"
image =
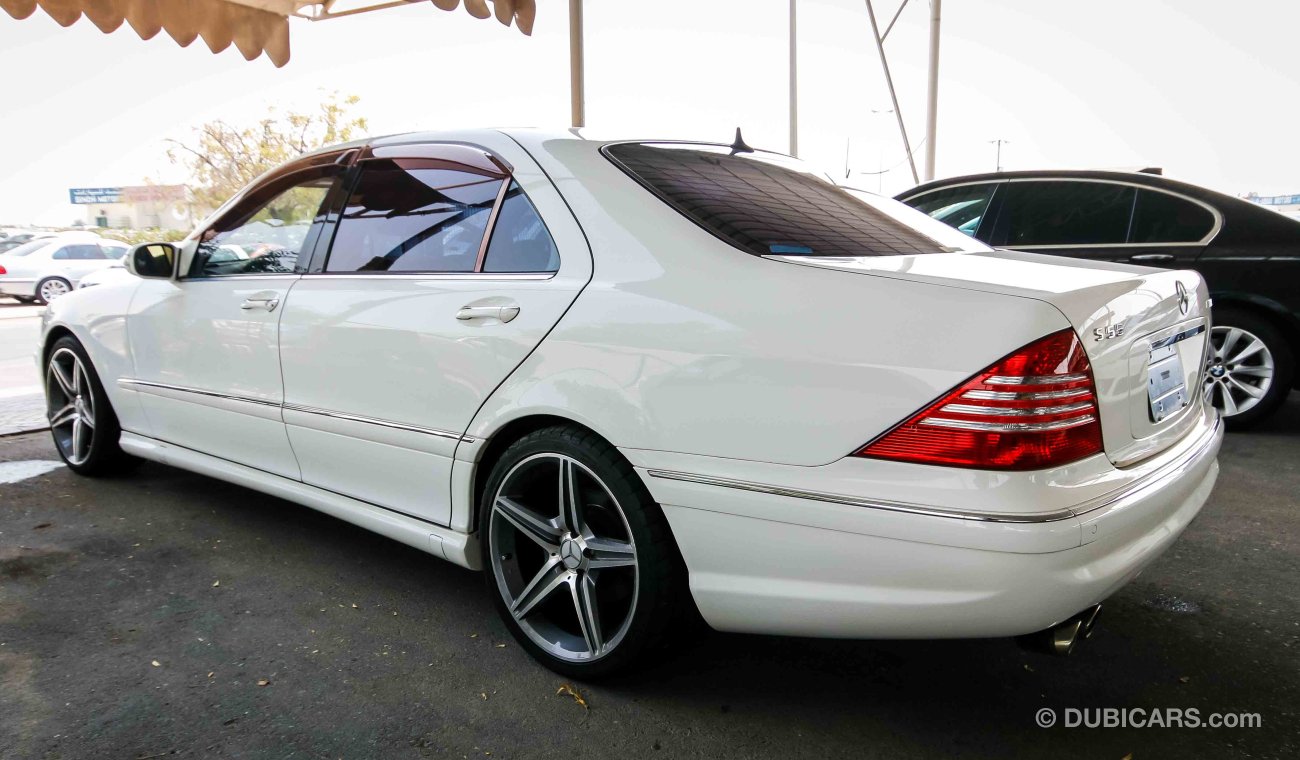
pixel 1151 257
pixel 261 301
pixel 503 313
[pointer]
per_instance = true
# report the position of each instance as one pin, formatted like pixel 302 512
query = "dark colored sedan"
pixel 1249 255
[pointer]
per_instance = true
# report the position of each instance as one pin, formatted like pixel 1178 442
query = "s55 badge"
pixel 1108 332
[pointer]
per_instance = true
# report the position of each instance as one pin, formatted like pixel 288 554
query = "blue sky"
pixel 1208 90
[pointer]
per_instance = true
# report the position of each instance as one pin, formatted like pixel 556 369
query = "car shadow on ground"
pixel 369 646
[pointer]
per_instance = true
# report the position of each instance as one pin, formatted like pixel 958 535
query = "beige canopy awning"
pixel 252 26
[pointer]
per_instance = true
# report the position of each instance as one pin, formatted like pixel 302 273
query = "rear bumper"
pixel 781 562
pixel 17 287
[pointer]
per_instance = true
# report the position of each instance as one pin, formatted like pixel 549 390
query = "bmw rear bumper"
pixel 766 559
pixel 17 287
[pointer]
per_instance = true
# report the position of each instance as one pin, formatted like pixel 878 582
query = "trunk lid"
pixel 1145 330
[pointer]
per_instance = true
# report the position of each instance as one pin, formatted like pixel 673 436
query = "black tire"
pixel 103 455
pixel 1283 361
pixel 660 597
pixel 25 299
pixel 40 299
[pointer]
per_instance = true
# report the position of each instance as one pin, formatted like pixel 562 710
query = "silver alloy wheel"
pixel 571 584
pixel 1239 372
pixel 70 405
pixel 53 288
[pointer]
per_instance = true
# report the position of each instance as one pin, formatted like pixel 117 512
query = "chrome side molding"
pixel 144 386
pixel 1172 469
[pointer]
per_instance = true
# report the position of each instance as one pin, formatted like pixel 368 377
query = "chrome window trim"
pixel 1171 470
pixel 134 384
pixel 256 276
pixel 476 276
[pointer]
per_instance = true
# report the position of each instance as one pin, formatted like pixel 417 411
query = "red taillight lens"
pixel 1036 408
pixel 3 270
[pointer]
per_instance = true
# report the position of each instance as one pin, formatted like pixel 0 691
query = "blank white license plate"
pixel 1166 383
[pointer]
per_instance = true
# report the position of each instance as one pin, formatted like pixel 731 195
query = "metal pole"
pixel 893 96
pixel 932 92
pixel 577 94
pixel 794 83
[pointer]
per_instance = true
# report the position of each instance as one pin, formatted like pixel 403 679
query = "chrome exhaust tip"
pixel 1062 638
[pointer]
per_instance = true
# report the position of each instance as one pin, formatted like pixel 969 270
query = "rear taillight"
pixel 3 270
pixel 1036 408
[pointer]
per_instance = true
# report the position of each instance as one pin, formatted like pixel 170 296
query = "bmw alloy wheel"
pixel 70 405
pixel 53 288
pixel 564 557
pixel 1240 370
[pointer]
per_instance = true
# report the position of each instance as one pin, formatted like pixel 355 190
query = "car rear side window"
pixel 962 207
pixel 1064 213
pixel 520 241
pixel 413 216
pixel 1164 218
pixel 760 206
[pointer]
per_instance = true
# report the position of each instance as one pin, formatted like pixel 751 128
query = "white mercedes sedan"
pixel 637 381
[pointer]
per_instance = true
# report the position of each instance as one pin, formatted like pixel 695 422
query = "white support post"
pixel 794 83
pixel 893 96
pixel 577 83
pixel 932 92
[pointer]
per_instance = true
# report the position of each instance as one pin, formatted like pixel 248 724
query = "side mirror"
pixel 157 260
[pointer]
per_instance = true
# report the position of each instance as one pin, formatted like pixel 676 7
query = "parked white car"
pixel 625 379
pixel 46 268
pixel 115 271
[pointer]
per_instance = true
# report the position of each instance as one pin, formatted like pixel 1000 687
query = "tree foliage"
pixel 222 158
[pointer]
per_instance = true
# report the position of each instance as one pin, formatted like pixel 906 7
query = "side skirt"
pixel 459 548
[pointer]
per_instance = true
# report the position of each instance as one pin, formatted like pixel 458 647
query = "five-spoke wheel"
pixel 580 559
pixel 563 556
pixel 71 405
pixel 82 421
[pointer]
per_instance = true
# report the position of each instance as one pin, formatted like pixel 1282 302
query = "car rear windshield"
pixel 766 204
pixel 26 248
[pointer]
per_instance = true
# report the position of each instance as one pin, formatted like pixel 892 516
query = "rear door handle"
pixel 265 300
pixel 503 313
pixel 1151 257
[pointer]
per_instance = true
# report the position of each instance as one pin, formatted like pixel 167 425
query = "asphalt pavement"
pixel 163 614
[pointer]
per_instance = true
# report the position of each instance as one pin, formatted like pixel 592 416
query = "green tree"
pixel 223 158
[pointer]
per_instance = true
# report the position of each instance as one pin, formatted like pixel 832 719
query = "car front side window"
pixel 265 235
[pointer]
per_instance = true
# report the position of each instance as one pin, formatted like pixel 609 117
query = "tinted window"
pixel 1163 218
pixel 404 217
pixel 264 235
pixel 23 249
pixel 1065 213
pixel 84 252
pixel 764 207
pixel 520 241
pixel 961 207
